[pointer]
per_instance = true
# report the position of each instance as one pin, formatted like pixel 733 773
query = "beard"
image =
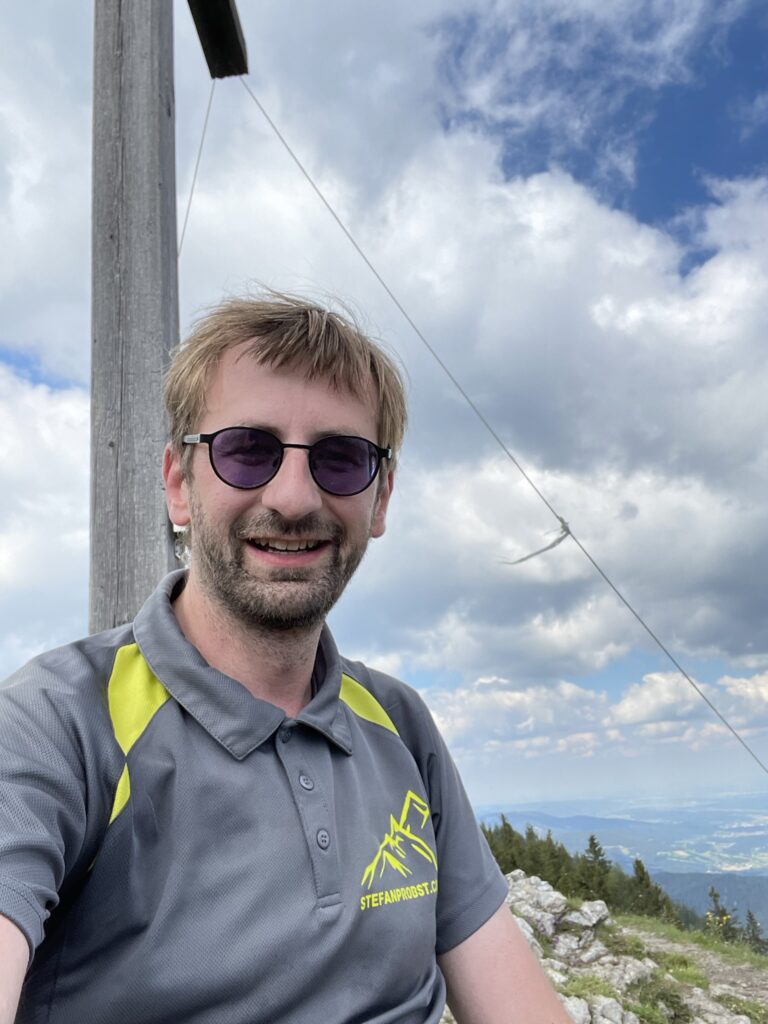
pixel 275 599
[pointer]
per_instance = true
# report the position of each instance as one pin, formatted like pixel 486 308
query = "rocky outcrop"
pixel 597 982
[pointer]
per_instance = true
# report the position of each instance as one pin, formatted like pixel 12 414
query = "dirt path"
pixel 725 976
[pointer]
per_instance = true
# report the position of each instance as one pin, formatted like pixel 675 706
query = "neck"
pixel 275 666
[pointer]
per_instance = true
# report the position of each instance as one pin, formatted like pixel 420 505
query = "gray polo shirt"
pixel 176 850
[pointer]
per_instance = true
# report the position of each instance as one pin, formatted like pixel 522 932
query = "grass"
pixel 657 1000
pixel 586 985
pixel 682 968
pixel 736 952
pixel 621 944
pixel 757 1012
pixel 568 928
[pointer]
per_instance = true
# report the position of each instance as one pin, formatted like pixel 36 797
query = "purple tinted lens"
pixel 343 465
pixel 244 457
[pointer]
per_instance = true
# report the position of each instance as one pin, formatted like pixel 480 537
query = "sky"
pixel 571 201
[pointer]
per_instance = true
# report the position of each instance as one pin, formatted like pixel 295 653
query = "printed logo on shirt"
pixel 403 843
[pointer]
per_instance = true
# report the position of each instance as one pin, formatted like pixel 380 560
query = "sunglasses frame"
pixel 382 453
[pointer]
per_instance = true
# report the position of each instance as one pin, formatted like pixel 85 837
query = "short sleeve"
pixel 471 887
pixel 44 794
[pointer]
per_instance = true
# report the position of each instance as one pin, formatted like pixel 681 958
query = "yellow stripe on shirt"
pixel 364 704
pixel 134 694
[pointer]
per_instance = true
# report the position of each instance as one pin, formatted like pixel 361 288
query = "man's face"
pixel 278 556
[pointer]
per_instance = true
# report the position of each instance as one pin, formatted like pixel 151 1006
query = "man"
pixel 208 815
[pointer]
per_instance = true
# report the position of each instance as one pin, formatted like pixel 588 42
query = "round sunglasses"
pixel 246 457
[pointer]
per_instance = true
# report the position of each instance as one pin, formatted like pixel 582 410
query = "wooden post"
pixel 134 302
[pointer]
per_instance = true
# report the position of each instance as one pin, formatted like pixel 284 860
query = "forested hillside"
pixel 739 892
pixel 592 876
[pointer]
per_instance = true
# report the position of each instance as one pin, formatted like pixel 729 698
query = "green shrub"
pixel 682 968
pixel 586 985
pixel 757 1012
pixel 736 952
pixel 620 943
pixel 657 1000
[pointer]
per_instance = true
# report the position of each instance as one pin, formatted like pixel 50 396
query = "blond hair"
pixel 284 331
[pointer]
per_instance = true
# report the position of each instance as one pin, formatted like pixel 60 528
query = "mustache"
pixel 273 524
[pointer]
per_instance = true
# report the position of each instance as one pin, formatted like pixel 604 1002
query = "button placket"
pixel 306 760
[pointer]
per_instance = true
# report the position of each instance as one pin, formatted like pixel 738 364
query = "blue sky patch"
pixel 29 366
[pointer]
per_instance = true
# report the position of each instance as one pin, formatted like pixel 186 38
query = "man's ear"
pixel 379 519
pixel 176 496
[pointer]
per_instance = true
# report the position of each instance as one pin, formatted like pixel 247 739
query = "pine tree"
pixel 553 859
pixel 720 921
pixel 592 872
pixel 532 863
pixel 620 890
pixel 506 845
pixel 753 934
pixel 648 898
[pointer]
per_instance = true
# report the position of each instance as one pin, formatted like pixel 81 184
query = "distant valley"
pixel 687 847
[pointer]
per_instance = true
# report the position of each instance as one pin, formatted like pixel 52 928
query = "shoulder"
pixel 66 685
pixel 71 666
pixel 402 705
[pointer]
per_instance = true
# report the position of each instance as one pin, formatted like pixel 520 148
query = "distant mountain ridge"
pixel 693 838
pixel 738 892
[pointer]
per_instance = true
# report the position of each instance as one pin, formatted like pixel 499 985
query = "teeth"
pixel 287 545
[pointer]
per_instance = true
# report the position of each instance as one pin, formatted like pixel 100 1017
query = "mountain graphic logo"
pixel 403 839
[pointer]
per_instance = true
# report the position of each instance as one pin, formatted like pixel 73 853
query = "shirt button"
pixel 285 734
pixel 305 782
pixel 323 839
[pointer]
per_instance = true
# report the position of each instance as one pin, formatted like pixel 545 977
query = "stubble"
pixel 271 599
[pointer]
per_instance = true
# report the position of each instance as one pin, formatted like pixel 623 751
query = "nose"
pixel 292 492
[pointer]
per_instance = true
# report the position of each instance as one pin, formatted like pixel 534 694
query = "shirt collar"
pixel 235 718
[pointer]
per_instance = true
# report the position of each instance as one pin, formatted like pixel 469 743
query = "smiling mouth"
pixel 285 546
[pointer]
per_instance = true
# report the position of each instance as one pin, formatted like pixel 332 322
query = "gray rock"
pixel 576 949
pixel 554 972
pixel 589 914
pixel 592 951
pixel 621 971
pixel 707 1011
pixel 610 1011
pixel 537 918
pixel 578 1010
pixel 566 947
pixel 536 892
pixel 536 901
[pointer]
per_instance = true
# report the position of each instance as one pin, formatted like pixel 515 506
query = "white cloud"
pixel 751 115
pixel 661 697
pixel 748 699
pixel 657 731
pixel 45 166
pixel 493 714
pixel 44 528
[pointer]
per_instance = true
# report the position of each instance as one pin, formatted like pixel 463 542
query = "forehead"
pixel 242 390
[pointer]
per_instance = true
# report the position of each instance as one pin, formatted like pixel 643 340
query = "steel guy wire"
pixel 197 167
